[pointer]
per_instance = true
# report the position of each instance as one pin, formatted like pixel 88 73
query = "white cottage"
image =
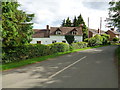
pixel 56 34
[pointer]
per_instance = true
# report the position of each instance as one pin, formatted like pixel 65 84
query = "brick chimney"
pixel 112 29
pixel 47 27
pixel 98 31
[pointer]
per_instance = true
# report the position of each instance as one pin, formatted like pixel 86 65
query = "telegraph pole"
pixel 100 23
pixel 88 27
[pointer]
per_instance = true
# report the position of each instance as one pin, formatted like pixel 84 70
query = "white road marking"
pixel 67 67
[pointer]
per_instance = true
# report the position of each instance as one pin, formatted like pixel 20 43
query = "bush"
pixel 105 39
pixel 96 40
pixel 23 52
pixel 58 47
pixel 79 45
pixel 115 39
pixel 30 51
pixel 70 38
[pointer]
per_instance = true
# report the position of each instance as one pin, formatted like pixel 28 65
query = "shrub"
pixel 70 38
pixel 58 47
pixel 115 39
pixel 23 52
pixel 86 40
pixel 79 45
pixel 105 39
pixel 96 40
pixel 30 51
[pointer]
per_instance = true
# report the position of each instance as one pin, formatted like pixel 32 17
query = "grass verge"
pixel 118 63
pixel 39 59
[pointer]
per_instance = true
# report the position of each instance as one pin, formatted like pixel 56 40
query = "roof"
pixel 66 30
pixel 40 33
pixel 96 31
pixel 115 32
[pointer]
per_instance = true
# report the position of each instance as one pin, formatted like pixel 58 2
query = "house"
pixel 113 34
pixel 93 32
pixel 56 34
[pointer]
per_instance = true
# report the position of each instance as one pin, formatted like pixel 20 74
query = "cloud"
pixel 52 12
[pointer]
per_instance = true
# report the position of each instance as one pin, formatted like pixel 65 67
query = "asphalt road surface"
pixel 93 68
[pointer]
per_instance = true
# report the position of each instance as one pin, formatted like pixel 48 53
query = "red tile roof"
pixel 41 33
pixel 66 30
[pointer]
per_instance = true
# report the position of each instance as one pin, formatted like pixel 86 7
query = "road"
pixel 93 68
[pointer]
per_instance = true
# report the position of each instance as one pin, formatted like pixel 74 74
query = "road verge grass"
pixel 39 59
pixel 118 63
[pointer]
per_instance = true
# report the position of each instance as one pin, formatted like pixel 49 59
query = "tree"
pixel 68 22
pixel 63 23
pixel 75 22
pixel 114 14
pixel 70 38
pixel 85 30
pixel 16 29
pixel 80 20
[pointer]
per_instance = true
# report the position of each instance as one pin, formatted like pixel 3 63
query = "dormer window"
pixel 74 32
pixel 58 32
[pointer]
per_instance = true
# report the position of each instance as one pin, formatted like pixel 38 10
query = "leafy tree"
pixel 114 14
pixel 70 38
pixel 16 29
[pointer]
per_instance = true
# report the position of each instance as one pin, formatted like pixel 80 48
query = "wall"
pixel 54 38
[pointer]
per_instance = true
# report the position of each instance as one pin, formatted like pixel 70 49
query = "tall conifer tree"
pixel 16 29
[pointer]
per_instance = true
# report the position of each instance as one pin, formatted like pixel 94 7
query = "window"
pixel 58 32
pixel 74 32
pixel 39 42
pixel 54 41
pixel 64 41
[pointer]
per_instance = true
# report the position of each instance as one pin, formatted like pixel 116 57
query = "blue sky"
pixel 52 12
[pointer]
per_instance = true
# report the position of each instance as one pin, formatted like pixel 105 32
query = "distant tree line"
pixel 76 23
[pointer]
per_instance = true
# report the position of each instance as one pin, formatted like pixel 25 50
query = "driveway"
pixel 93 68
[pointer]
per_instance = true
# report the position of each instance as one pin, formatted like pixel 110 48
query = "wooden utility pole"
pixel 100 23
pixel 88 27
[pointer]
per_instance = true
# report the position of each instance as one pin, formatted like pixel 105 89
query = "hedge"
pixel 58 47
pixel 24 52
pixel 79 45
pixel 30 51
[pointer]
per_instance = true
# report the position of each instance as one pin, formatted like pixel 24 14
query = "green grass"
pixel 118 55
pixel 39 59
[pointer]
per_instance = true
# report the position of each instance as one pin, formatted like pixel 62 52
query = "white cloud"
pixel 52 12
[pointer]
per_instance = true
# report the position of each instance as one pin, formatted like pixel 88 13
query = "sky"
pixel 52 12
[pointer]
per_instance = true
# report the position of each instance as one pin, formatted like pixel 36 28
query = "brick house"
pixel 56 34
pixel 113 34
pixel 93 32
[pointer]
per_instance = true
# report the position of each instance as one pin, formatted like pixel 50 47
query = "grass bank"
pixel 38 59
pixel 118 63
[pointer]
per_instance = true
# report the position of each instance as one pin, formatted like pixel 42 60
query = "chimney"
pixel 47 27
pixel 98 31
pixel 112 29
